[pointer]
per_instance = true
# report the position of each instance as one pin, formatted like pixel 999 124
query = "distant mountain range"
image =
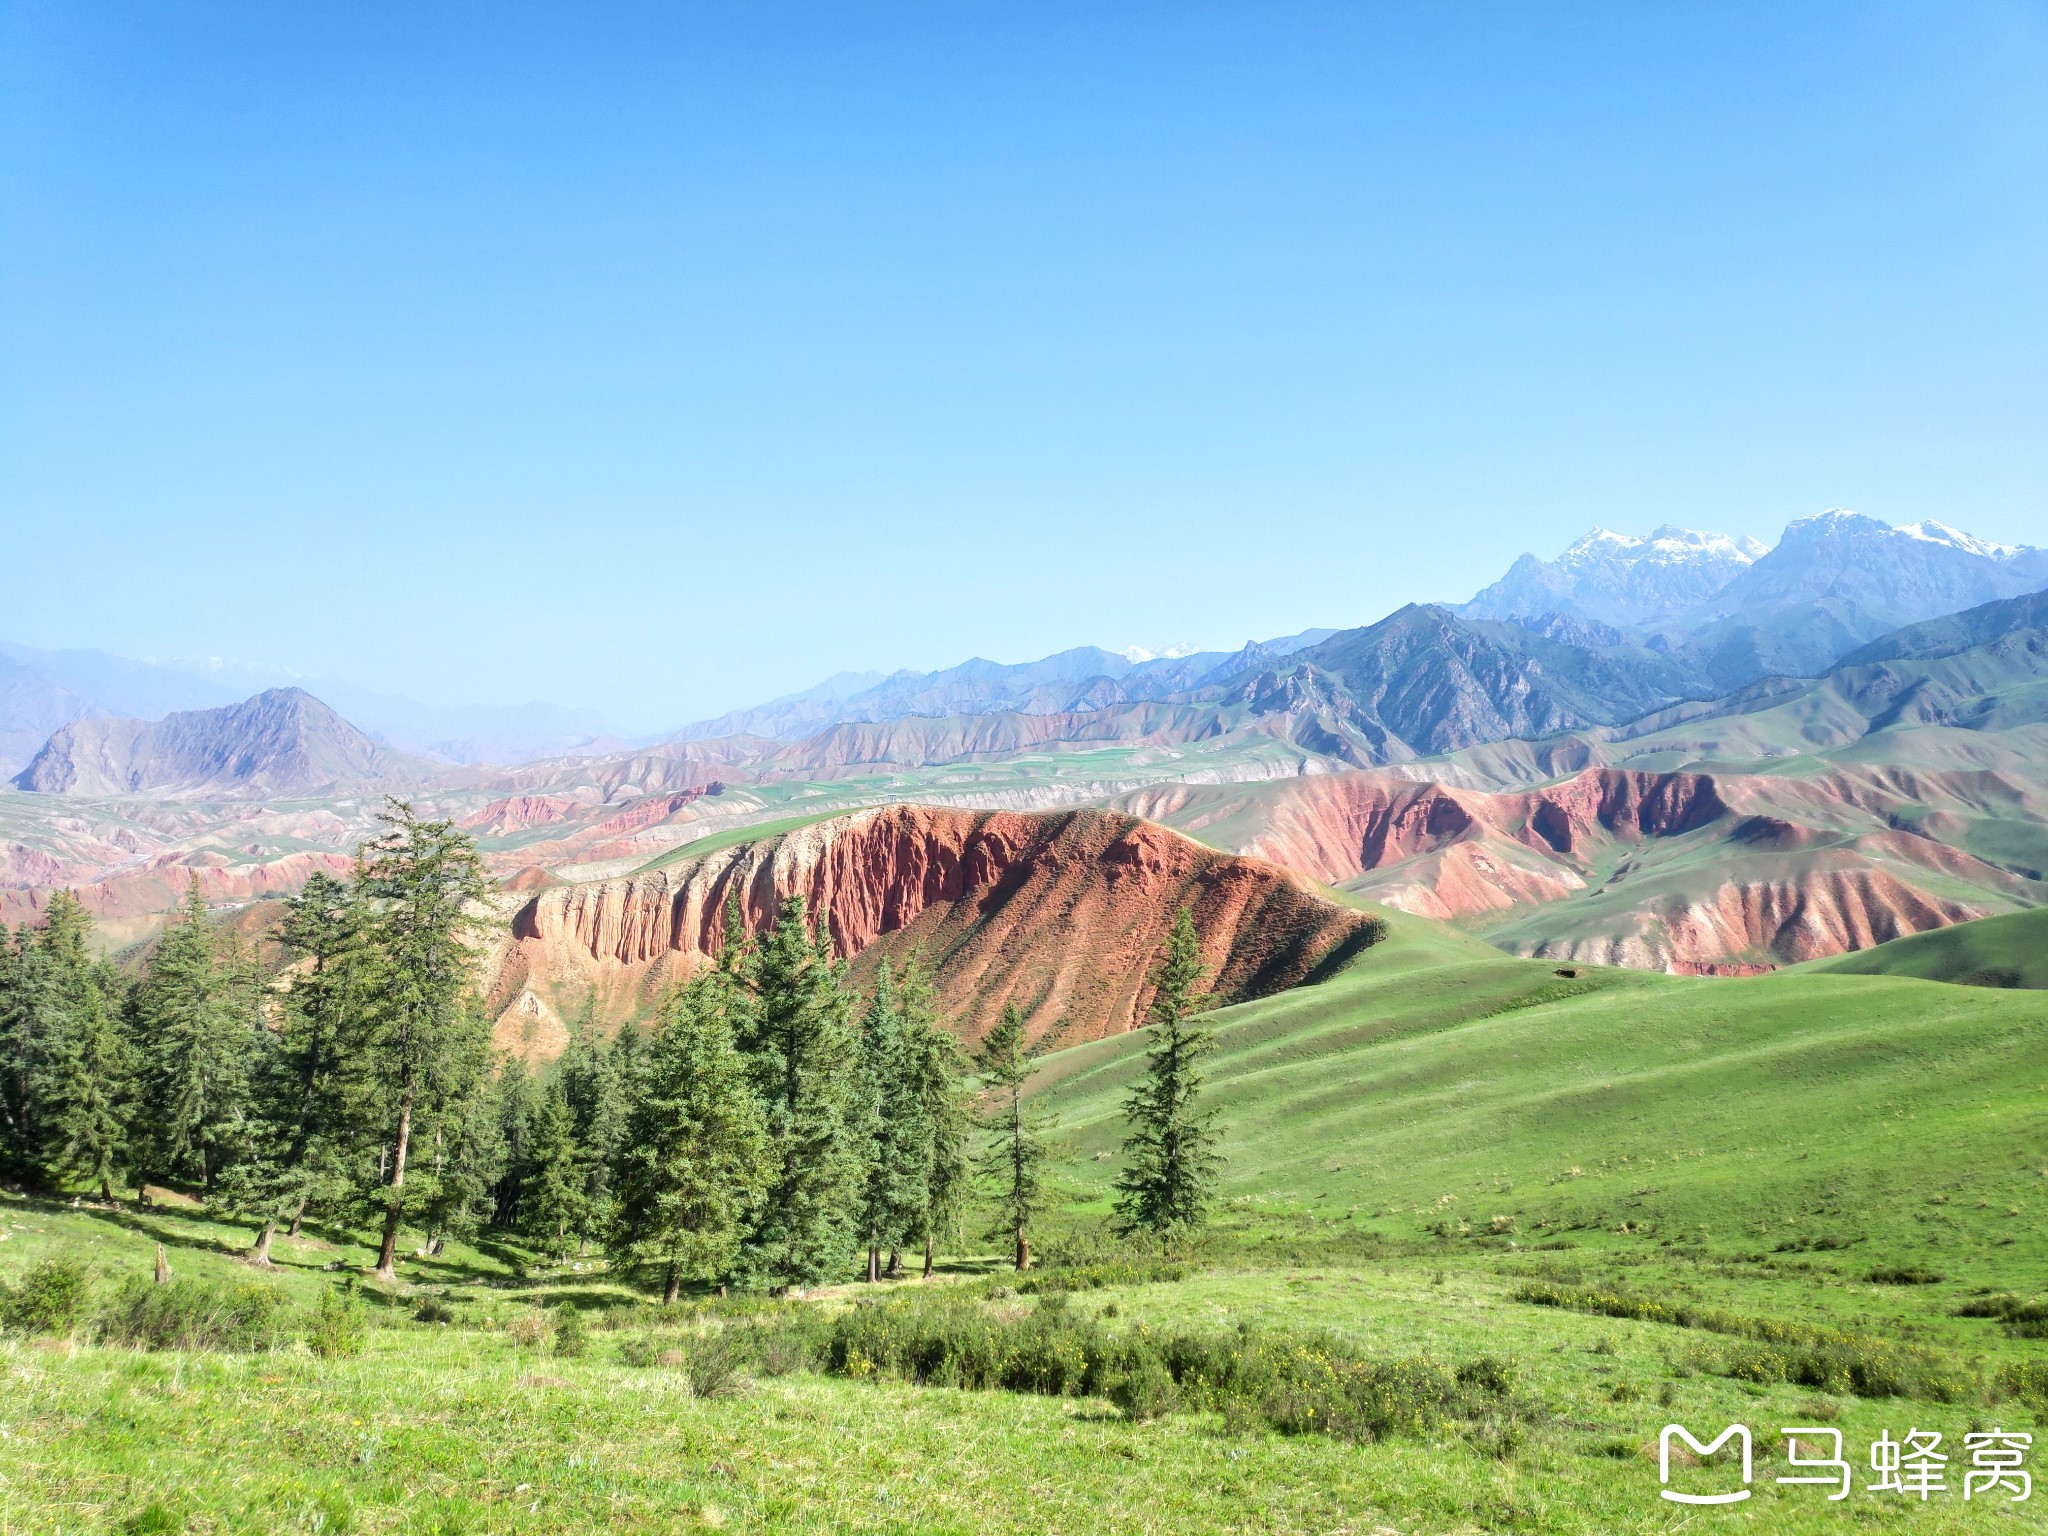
pixel 281 743
pixel 1615 629
pixel 43 689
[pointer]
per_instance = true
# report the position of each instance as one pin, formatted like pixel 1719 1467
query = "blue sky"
pixel 664 358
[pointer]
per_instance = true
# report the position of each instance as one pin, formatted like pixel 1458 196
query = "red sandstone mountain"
pixel 1062 913
pixel 1679 871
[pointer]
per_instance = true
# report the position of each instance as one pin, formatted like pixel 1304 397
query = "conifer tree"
pixel 21 1052
pixel 82 1083
pixel 516 1100
pixel 1014 1151
pixel 694 1161
pixel 804 1061
pixel 936 1068
pixel 593 1079
pixel 552 1209
pixel 424 1048
pixel 310 1083
pixel 196 1024
pixel 899 1160
pixel 1170 1145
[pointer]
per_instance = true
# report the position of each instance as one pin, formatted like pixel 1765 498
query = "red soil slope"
pixel 1062 913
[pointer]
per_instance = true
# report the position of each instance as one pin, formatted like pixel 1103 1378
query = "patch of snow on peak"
pixel 1932 532
pixel 1137 654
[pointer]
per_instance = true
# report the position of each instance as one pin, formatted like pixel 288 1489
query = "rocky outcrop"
pixel 1061 913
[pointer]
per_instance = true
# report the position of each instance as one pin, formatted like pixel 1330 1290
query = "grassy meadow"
pixel 1791 1188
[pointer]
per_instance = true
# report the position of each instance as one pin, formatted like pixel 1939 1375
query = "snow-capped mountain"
pixel 1738 611
pixel 1614 578
pixel 1892 576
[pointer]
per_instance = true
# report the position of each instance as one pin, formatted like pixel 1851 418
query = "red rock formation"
pixel 1062 913
pixel 516 813
pixel 1795 867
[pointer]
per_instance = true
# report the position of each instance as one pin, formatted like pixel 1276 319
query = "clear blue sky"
pixel 663 358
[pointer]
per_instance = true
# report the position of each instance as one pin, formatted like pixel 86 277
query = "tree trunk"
pixel 298 1218
pixel 387 1252
pixel 260 1254
pixel 673 1287
pixel 874 1263
pixel 163 1266
pixel 106 1189
pixel 927 1255
pixel 895 1269
pixel 1023 1250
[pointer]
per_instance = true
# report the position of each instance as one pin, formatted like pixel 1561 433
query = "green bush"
pixel 338 1325
pixel 571 1339
pixel 1905 1274
pixel 2023 1319
pixel 197 1314
pixel 433 1309
pixel 1826 1358
pixel 2027 1380
pixel 50 1299
pixel 1294 1383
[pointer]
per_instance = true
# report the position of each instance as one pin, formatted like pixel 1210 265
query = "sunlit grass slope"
pixel 2008 951
pixel 1432 1090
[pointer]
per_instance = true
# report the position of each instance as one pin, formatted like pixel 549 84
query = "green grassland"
pixel 1408 1145
pixel 2008 951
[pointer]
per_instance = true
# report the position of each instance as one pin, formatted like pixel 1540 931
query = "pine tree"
pixel 804 1061
pixel 81 1087
pixel 1170 1146
pixel 516 1100
pixel 21 1052
pixel 552 1209
pixel 424 1048
pixel 310 1086
pixel 936 1067
pixel 597 1111
pixel 1010 1160
pixel 196 1023
pixel 899 1158
pixel 694 1161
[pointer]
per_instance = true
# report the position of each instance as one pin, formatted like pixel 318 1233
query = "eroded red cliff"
pixel 1062 913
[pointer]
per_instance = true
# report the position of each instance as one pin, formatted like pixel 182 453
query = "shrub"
pixel 2027 1380
pixel 338 1325
pixel 570 1338
pixel 50 1299
pixel 531 1329
pixel 1905 1274
pixel 2023 1319
pixel 1824 1358
pixel 1294 1383
pixel 433 1309
pixel 197 1314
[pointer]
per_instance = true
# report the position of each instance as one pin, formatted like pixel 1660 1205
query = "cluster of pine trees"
pixel 775 1127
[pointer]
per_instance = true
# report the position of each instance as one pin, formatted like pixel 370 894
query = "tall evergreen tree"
pixel 552 1208
pixel 936 1068
pixel 899 1158
pixel 81 1086
pixel 1170 1146
pixel 804 1060
pixel 594 1082
pixel 1014 1151
pixel 516 1100
pixel 197 1025
pixel 424 1048
pixel 694 1162
pixel 21 1052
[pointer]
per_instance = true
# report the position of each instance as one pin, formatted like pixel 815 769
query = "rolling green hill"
pixel 1429 1091
pixel 2008 951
